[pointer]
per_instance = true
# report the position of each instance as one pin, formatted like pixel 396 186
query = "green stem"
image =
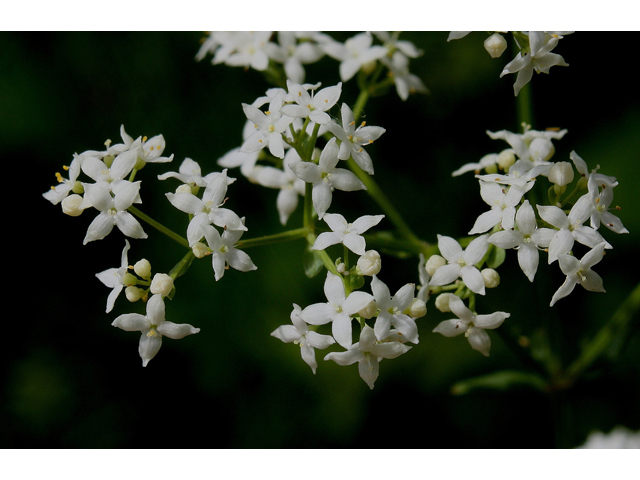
pixel 287 236
pixel 158 226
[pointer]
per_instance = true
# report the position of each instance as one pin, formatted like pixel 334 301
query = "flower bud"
pixel 184 188
pixel 142 268
pixel 369 311
pixel 370 263
pixel 561 174
pixel 417 309
pixel 433 263
pixel 541 149
pixel 495 45
pixel 442 302
pixel 129 279
pixel 134 294
pixel 491 277
pixel 162 284
pixel 200 250
pixel 506 158
pixel 71 205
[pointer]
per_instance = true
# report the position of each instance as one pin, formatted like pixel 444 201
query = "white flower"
pixel 601 199
pixel 405 81
pixel 153 327
pixel 270 126
pixel 461 263
pixel 503 201
pixel 579 272
pixel 337 310
pixel 149 150
pixel 293 54
pixel 313 107
pixel 570 227
pixel 618 438
pixel 115 277
pixel 537 57
pixel 561 174
pixel 368 352
pixel 353 139
pixel 325 177
pixel 425 278
pixel 66 185
pixel 355 53
pixel 285 180
pixel 98 170
pixel 581 167
pixel 237 158
pixel 190 174
pixel 300 334
pixel 349 234
pixel 246 49
pixel 473 326
pixel 486 161
pixel 527 239
pixel 113 210
pixel 393 310
pixel 533 145
pixel 224 252
pixel 208 209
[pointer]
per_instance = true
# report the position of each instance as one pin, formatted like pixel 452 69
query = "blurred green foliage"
pixel 70 380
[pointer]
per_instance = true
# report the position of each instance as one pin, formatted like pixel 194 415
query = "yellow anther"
pixel 260 140
pixel 360 151
pixel 152 333
pixel 65 167
pixel 350 137
pixel 363 124
pixel 353 123
pixel 59 177
pixel 268 112
pixel 144 139
pixel 299 94
pixel 326 101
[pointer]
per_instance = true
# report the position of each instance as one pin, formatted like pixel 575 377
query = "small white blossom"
pixel 224 252
pixel 354 138
pixel 312 107
pixel 349 234
pixel 579 272
pixel 114 278
pixel 300 334
pixel 601 197
pixel 393 310
pixel 294 54
pixel 270 126
pixel 406 82
pixel 153 327
pixel 337 310
pixel 66 185
pixel 425 277
pixel 461 263
pixel 189 173
pixel 325 177
pixel 503 201
pixel 473 326
pixel 355 53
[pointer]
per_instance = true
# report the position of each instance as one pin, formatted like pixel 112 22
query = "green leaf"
pixel 496 257
pixel 503 380
pixel 312 262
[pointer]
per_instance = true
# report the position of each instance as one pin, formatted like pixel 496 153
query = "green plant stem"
pixel 616 326
pixel 287 236
pixel 158 226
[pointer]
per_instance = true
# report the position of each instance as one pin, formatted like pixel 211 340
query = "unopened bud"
pixel 418 308
pixel 71 205
pixel 184 188
pixel 491 277
pixel 370 311
pixel 495 45
pixel 134 294
pixel 370 263
pixel 200 250
pixel 561 174
pixel 433 263
pixel 142 268
pixel 506 158
pixel 442 302
pixel 541 149
pixel 162 284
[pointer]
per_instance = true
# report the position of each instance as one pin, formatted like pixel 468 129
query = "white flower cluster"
pixel 534 56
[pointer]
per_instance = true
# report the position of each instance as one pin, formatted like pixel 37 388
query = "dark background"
pixel 70 380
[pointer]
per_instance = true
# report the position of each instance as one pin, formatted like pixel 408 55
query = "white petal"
pixel 176 331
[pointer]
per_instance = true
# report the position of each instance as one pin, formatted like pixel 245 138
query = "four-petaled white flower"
pixel 190 174
pixel 270 126
pixel 461 263
pixel 601 197
pixel 354 53
pixel 392 310
pixel 579 272
pixel 405 81
pixel 353 139
pixel 293 54
pixel 368 352
pixel 153 327
pixel 113 209
pixel 300 334
pixel 527 239
pixel 312 107
pixel 66 185
pixel 208 209
pixel 349 234
pixel 473 326
pixel 538 58
pixel 503 201
pixel 570 227
pixel 325 177
pixel 224 252
pixel 115 277
pixel 337 310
